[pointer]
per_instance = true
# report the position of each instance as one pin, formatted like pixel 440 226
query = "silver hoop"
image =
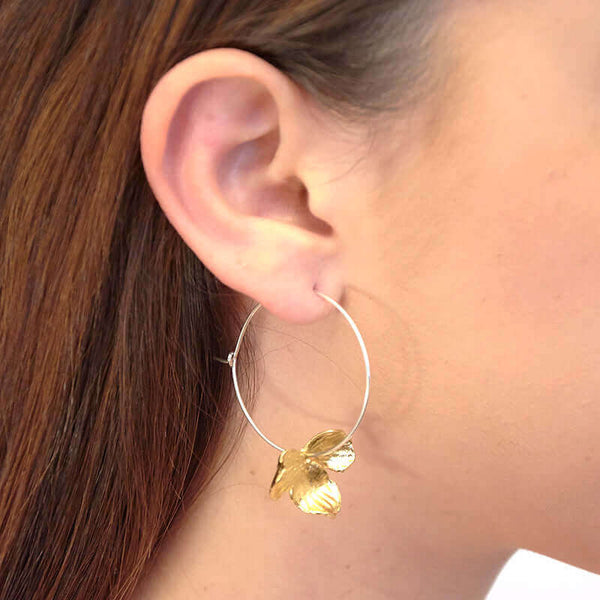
pixel 232 362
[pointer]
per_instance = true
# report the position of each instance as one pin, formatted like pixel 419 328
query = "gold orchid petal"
pixel 279 484
pixel 289 468
pixel 339 460
pixel 313 492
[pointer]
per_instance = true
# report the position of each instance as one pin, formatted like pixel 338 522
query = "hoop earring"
pixel 303 472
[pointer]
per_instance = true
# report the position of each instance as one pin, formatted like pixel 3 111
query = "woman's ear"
pixel 226 141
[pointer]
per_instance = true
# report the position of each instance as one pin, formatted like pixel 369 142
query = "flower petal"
pixel 290 467
pixel 339 460
pixel 315 493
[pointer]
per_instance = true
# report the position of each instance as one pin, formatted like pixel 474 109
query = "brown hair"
pixel 112 409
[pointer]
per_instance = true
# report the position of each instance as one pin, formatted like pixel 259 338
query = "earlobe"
pixel 222 135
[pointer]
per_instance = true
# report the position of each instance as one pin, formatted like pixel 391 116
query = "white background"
pixel 531 576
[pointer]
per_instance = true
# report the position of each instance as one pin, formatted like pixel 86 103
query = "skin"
pixel 463 240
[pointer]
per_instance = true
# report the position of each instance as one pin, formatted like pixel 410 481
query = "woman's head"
pixel 432 165
pixel 112 405
pixel 468 216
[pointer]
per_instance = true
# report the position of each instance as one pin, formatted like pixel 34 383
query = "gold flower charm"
pixel 305 477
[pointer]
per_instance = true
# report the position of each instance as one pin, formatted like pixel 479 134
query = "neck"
pixel 237 543
pixel 403 531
